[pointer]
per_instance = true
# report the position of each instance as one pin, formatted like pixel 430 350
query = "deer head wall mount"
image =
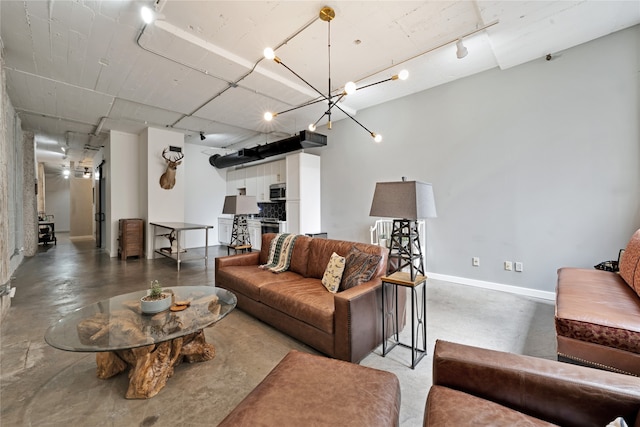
pixel 168 178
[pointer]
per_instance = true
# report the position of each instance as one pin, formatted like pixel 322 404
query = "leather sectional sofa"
pixel 598 314
pixel 479 387
pixel 346 325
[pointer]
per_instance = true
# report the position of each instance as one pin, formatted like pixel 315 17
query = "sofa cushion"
pixel 449 407
pixel 598 307
pixel 333 273
pixel 304 299
pixel 630 263
pixel 248 279
pixel 320 251
pixel 299 257
pixel 359 267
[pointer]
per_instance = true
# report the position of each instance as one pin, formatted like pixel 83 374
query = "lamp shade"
pixel 240 205
pixel 403 199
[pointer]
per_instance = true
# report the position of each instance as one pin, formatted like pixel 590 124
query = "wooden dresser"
pixel 130 238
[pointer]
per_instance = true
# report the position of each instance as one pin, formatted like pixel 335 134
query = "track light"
pixel 202 137
pixel 461 50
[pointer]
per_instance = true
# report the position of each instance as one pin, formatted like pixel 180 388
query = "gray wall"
pixel 58 201
pixel 537 163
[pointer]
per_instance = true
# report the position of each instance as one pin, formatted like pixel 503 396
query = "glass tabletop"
pixel 118 324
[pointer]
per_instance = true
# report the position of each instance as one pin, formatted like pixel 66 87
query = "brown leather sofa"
pixel 598 314
pixel 480 387
pixel 346 325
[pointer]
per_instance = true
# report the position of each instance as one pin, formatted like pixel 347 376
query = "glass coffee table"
pixel 151 345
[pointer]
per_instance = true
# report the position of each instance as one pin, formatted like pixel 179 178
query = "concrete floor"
pixel 40 385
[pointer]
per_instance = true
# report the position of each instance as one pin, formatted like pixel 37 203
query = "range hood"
pixel 305 139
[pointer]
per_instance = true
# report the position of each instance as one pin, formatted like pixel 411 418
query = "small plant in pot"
pixel 155 301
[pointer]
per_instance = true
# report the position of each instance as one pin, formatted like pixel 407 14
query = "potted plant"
pixel 155 301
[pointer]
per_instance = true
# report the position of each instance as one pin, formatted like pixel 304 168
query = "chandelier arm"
pixel 320 118
pixel 300 106
pixel 306 82
pixel 376 83
pixel 353 118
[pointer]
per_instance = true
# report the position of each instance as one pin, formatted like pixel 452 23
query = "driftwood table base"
pixel 152 365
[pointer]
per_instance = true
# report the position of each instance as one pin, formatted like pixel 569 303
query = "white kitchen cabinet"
pixel 303 193
pixel 255 233
pixel 262 195
pixel 224 230
pixel 235 181
pixel 278 171
pixel 250 181
pixel 231 184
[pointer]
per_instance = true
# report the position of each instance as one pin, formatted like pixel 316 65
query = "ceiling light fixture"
pixel 86 173
pixel 327 14
pixel 66 173
pixel 147 15
pixel 202 137
pixel 461 50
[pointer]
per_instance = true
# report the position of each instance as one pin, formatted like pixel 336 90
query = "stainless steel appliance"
pixel 272 225
pixel 278 192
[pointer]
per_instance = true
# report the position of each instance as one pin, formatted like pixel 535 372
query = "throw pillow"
pixel 359 268
pixel 618 422
pixel 630 262
pixel 333 273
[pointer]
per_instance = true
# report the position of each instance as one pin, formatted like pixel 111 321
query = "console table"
pixel 179 227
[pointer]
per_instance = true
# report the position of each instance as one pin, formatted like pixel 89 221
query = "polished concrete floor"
pixel 44 386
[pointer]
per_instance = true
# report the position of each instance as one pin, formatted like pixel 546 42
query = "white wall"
pixel 162 205
pixel 121 166
pixel 539 164
pixel 204 195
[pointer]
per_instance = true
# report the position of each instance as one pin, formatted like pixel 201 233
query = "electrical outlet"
pixel 475 261
pixel 518 266
pixel 508 265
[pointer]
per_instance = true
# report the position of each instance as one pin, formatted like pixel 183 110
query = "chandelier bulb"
pixel 312 127
pixel 269 53
pixel 350 88
pixel 147 14
pixel 268 116
pixel 376 137
pixel 402 75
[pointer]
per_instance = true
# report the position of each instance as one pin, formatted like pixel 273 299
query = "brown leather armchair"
pixel 475 386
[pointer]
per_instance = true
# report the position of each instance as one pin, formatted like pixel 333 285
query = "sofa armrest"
pixel 249 258
pixel 557 392
pixel 358 319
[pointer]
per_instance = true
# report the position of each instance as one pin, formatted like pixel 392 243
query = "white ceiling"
pixel 77 69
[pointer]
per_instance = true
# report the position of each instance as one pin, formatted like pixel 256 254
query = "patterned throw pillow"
pixel 630 262
pixel 333 273
pixel 359 268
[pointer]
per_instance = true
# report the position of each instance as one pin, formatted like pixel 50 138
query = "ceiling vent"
pixel 305 139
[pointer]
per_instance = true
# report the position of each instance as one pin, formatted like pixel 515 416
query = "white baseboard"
pixel 551 296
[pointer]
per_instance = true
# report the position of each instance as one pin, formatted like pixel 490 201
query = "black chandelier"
pixel 327 14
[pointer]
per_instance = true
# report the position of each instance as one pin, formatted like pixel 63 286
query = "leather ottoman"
pixel 309 390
